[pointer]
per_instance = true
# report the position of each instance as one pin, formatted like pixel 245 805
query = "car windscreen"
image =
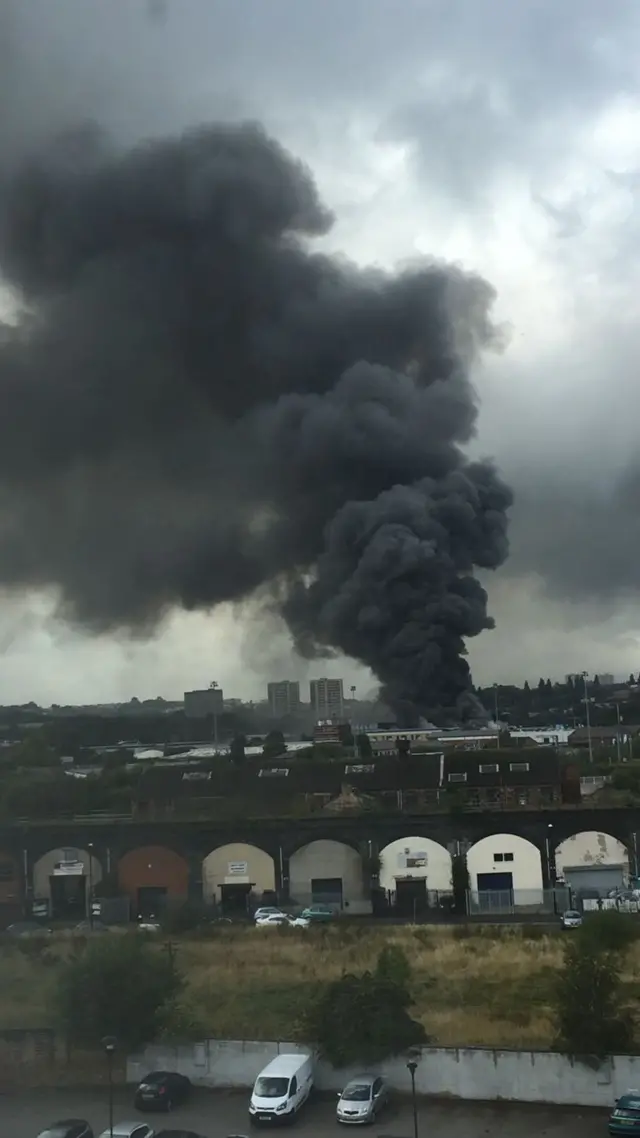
pixel 357 1092
pixel 572 915
pixel 269 1086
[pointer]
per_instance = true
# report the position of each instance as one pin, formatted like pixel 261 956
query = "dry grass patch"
pixel 472 987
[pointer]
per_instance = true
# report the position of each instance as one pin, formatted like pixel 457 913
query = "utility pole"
pixel 618 740
pixel 586 706
pixel 213 686
pixel 495 711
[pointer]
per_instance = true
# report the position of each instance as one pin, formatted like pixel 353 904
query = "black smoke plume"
pixel 198 404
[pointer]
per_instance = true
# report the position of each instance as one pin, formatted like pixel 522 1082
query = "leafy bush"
pixel 590 1018
pixel 609 931
pixel 116 986
pixel 365 1018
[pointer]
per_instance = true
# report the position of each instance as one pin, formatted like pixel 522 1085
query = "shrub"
pixel 609 931
pixel 365 1018
pixel 116 986
pixel 587 1000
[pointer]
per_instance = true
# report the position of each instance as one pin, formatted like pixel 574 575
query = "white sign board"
pixel 412 859
pixel 68 869
pixel 237 869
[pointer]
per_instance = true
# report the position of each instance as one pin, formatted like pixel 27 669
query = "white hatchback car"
pixel 362 1100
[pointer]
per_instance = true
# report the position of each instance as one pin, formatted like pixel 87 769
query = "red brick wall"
pixel 153 865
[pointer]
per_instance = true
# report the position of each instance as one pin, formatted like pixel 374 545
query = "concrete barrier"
pixel 473 1073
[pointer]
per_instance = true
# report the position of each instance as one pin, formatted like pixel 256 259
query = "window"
pixel 273 772
pixel 498 857
pixel 489 768
pixel 360 768
pixel 503 857
pixel 508 857
pixel 294 1086
pixel 458 777
pixel 518 766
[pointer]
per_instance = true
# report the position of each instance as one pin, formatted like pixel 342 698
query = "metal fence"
pixel 507 902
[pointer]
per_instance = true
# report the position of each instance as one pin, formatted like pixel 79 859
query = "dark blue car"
pixel 625 1118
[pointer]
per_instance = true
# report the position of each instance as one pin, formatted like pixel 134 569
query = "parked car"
pixel 68 1128
pixel 267 911
pixel 572 919
pixel 86 927
pixel 274 919
pixel 362 1100
pixel 177 1134
pixel 317 913
pixel 161 1090
pixel 129 1130
pixel 625 1117
pixel 23 929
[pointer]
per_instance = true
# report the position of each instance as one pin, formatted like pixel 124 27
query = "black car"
pixel 68 1128
pixel 178 1134
pixel 161 1090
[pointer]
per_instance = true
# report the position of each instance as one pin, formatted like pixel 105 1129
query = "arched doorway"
pixel 152 877
pixel 326 872
pixel 63 883
pixel 233 874
pixel 505 875
pixel 592 864
pixel 415 874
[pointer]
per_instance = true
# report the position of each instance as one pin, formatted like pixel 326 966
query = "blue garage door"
pixel 495 882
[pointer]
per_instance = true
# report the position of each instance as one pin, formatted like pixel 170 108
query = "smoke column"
pixel 198 405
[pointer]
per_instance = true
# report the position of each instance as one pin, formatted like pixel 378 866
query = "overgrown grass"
pixel 473 986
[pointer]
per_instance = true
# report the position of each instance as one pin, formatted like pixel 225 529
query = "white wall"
pixel 43 869
pixel 327 859
pixel 525 867
pixel 393 863
pixel 473 1074
pixel 591 848
pixel 222 867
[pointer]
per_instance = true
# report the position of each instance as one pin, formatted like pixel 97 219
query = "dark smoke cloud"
pixel 199 405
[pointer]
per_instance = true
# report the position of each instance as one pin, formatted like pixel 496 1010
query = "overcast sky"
pixel 504 136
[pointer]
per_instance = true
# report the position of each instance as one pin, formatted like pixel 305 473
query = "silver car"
pixel 362 1100
pixel 572 919
pixel 129 1130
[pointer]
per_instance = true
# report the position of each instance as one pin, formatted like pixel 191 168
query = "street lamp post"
pixel 495 711
pixel 109 1043
pixel 412 1067
pixel 213 686
pixel 585 676
pixel 90 913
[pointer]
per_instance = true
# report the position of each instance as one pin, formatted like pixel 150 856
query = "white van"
pixel 281 1089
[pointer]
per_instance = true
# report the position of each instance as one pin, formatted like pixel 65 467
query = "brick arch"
pixel 598 848
pixel 153 868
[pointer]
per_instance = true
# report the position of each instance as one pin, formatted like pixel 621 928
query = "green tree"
pixel 237 749
pixel 460 882
pixel 117 986
pixel 363 743
pixel 588 1003
pixel 393 965
pixel 364 1018
pixel 274 745
pixel 608 931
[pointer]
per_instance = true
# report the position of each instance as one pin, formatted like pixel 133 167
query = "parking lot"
pixel 218 1114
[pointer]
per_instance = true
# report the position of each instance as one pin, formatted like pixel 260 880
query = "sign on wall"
pixel 412 859
pixel 68 869
pixel 237 869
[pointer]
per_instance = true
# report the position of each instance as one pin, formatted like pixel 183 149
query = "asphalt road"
pixel 218 1114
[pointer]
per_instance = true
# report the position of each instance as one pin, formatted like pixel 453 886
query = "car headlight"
pixel 283 1106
